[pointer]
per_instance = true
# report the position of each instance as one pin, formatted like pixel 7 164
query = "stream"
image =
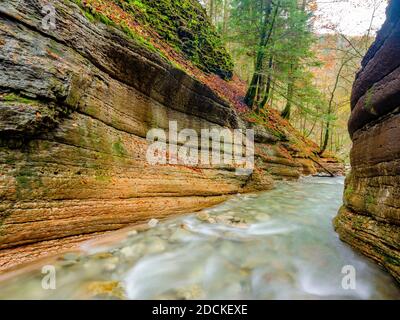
pixel 272 245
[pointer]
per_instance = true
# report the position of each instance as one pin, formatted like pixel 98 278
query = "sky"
pixel 351 17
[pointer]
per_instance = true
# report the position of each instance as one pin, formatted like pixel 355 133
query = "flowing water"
pixel 273 245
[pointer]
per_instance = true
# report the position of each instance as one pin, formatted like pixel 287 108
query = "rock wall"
pixel 76 104
pixel 370 217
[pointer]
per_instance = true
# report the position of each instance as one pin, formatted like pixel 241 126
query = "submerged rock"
pixel 203 216
pixel 180 235
pixel 133 251
pixel 105 289
pixel 71 256
pixel 152 223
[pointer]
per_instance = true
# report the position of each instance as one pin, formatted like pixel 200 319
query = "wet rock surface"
pixel 76 104
pixel 370 217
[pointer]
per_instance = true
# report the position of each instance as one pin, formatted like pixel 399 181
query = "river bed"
pixel 273 245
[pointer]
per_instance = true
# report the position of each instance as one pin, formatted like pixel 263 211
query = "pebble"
pixel 132 233
pixel 194 292
pixel 113 260
pixel 134 250
pixel 105 289
pixel 180 234
pixel 212 220
pixel 127 252
pixel 152 223
pixel 203 216
pixel 102 255
pixel 71 256
pixel 184 226
pixel 224 219
pixel 156 246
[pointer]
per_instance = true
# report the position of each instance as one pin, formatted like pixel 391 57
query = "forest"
pixel 200 150
pixel 297 61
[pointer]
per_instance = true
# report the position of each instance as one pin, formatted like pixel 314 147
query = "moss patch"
pixel 369 199
pixel 94 14
pixel 14 98
pixel 183 24
pixel 349 191
pixel 27 179
pixel 118 149
pixel 368 100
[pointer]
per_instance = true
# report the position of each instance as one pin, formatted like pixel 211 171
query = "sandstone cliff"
pixel 370 217
pixel 76 103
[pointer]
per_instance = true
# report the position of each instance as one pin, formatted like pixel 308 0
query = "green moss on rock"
pixel 185 26
pixel 118 148
pixel 14 98
pixel 348 191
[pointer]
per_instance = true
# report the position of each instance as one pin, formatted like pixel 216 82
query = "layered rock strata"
pixel 76 104
pixel 370 217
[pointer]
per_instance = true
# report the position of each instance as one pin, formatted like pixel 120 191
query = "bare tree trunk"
pixel 312 129
pixel 212 11
pixel 321 134
pixel 330 106
pixel 286 113
pixel 264 39
pixel 268 85
pixel 226 17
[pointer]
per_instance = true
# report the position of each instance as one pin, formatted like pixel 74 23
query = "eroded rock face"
pixel 76 104
pixel 370 217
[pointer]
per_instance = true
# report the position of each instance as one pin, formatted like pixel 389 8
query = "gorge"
pixel 77 102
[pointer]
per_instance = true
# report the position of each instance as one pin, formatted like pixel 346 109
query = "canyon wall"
pixel 76 104
pixel 370 217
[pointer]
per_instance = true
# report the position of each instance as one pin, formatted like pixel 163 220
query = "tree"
pixel 267 26
pixel 343 64
pixel 289 67
pixel 303 44
pixel 280 49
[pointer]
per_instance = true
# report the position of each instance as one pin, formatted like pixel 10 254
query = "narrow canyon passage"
pixel 273 245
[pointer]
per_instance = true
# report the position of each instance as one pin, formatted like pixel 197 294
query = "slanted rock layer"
pixel 76 103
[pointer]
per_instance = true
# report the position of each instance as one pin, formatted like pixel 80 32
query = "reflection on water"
pixel 274 245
